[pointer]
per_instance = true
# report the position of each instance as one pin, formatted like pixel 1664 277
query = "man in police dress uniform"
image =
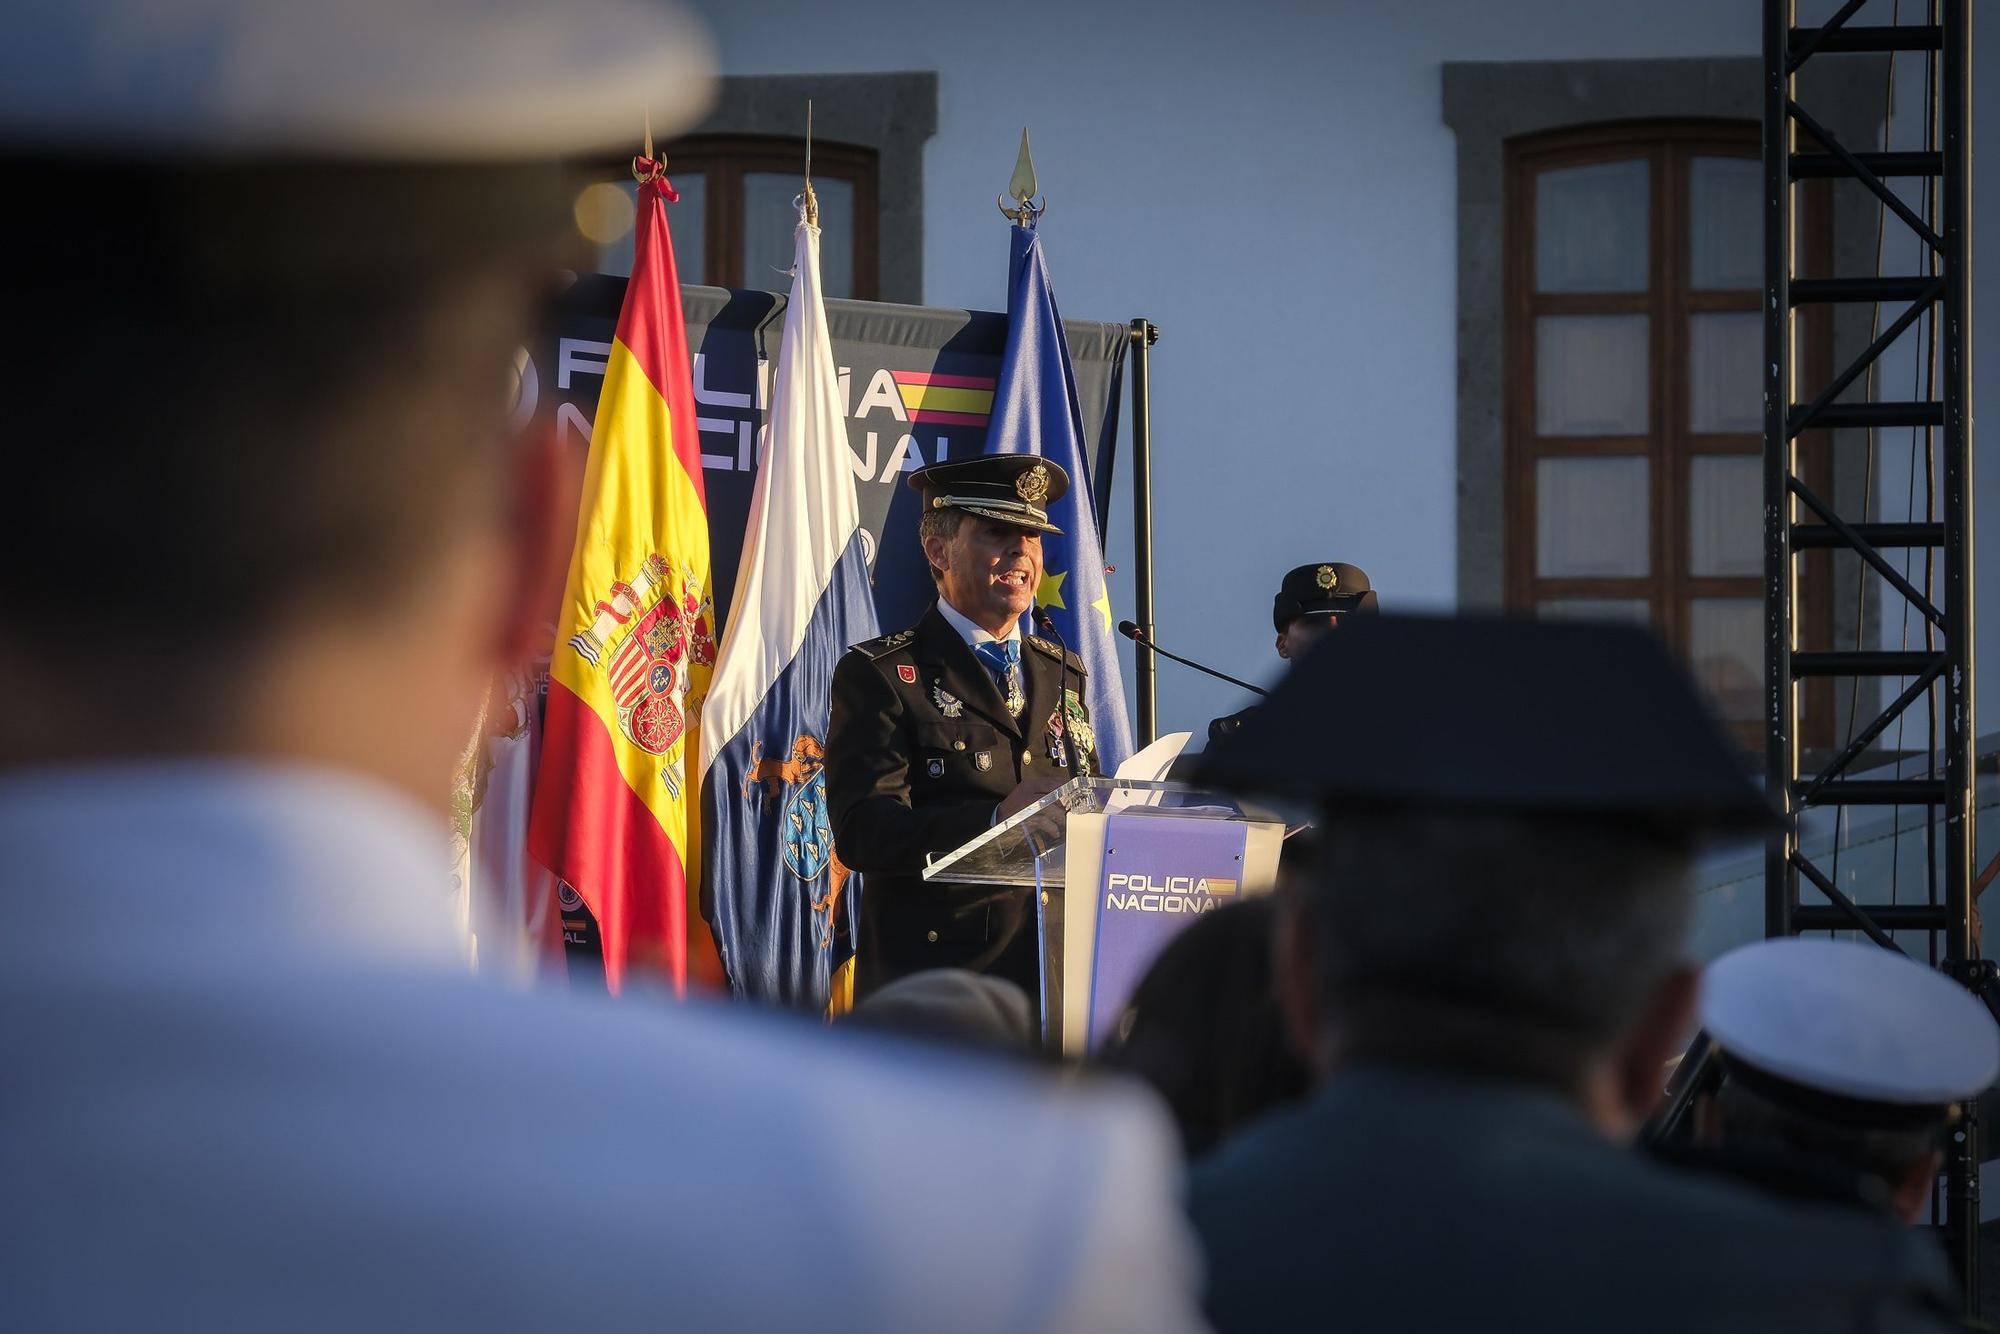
pixel 942 730
pixel 1310 601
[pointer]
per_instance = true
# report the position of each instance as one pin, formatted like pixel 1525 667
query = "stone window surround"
pixel 1487 103
pixel 894 114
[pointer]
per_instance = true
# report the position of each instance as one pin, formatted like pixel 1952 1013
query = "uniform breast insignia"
pixel 906 673
pixel 948 704
pixel 1077 724
pixel 667 635
pixel 935 768
pixel 804 824
pixel 983 761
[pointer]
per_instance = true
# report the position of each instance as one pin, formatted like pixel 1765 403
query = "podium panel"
pixel 1117 868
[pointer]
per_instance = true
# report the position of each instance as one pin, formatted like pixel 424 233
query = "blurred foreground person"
pixel 267 549
pixel 1205 1030
pixel 1843 1067
pixel 953 1005
pixel 1487 966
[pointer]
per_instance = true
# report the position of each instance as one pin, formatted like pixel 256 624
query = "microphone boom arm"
pixel 1140 637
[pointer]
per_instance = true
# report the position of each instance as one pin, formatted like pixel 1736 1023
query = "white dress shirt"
pixel 973 635
pixel 250 1085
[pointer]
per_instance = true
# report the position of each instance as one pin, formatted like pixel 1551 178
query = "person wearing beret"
pixel 944 729
pixel 1311 600
pixel 1485 968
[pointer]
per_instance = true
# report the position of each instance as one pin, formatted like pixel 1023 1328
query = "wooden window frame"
pixel 1669 444
pixel 724 160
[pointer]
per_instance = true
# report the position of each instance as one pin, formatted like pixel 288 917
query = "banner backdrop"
pixel 916 386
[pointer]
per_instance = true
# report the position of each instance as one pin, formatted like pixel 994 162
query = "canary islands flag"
pixel 1035 412
pixel 635 642
pixel 781 902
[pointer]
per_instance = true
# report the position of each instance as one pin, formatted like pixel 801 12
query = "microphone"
pixel 1132 632
pixel 1047 624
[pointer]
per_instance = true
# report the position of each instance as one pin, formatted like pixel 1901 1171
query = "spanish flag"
pixel 635 642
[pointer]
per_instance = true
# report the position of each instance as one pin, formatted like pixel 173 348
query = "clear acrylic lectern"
pixel 1116 867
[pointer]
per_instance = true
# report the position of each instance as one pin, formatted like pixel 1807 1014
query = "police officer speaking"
pixel 944 729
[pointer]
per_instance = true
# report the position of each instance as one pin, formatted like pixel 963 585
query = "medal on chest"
pixel 948 704
pixel 1067 723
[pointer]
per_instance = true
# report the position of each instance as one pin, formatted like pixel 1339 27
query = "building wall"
pixel 1273 184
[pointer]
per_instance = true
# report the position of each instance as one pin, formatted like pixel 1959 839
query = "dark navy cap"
pixel 1330 588
pixel 1011 488
pixel 1497 715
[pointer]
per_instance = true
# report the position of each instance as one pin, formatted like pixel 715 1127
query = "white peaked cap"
pixel 396 80
pixel 1852 1021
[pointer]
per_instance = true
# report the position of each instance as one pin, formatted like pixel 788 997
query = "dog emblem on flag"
pixel 806 827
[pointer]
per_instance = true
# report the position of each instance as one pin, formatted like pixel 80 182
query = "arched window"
pixel 733 226
pixel 1634 406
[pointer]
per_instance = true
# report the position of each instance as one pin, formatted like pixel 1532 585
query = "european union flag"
pixel 1035 412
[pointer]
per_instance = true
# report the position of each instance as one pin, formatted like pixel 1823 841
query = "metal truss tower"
pixel 1798 147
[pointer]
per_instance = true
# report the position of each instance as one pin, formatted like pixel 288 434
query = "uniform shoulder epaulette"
pixel 1056 651
pixel 883 646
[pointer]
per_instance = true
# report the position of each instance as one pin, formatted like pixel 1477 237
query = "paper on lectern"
pixel 1148 765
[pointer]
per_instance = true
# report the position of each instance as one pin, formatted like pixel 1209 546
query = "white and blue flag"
pixel 781 906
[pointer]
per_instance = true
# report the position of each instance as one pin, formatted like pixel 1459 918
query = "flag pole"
pixel 1144 334
pixel 812 200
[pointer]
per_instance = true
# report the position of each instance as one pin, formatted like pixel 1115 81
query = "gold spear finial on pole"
pixel 1022 189
pixel 812 200
pixel 653 167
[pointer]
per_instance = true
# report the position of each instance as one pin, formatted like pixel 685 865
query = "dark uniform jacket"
pixel 1220 729
pixel 919 752
pixel 1399 1199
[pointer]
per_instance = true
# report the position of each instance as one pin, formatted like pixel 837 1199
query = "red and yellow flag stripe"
pixel 635 645
pixel 945 400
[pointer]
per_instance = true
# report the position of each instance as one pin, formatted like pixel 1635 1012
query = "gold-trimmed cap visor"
pixel 1015 489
